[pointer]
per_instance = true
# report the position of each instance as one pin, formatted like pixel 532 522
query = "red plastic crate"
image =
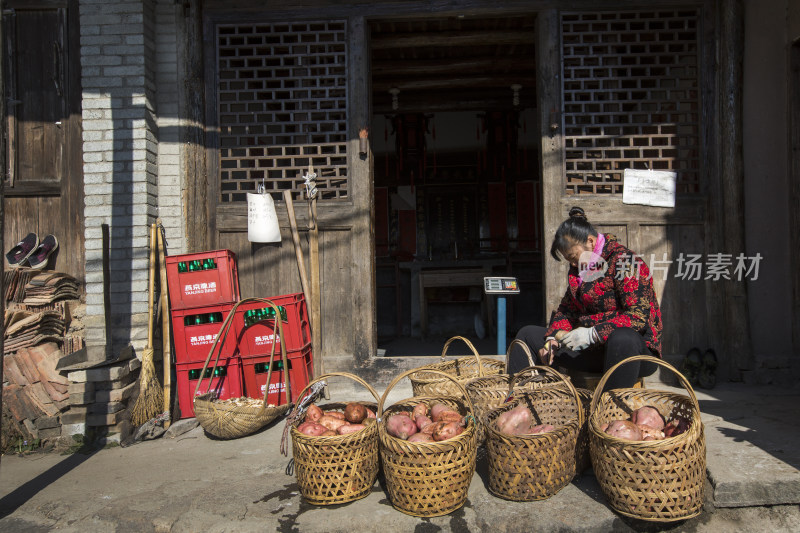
pixel 193 342
pixel 202 288
pixel 255 372
pixel 227 386
pixel 257 339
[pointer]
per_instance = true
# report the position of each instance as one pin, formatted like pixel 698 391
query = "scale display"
pixel 500 285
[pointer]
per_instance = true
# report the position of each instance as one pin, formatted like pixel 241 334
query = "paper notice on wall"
pixel 649 187
pixel 262 221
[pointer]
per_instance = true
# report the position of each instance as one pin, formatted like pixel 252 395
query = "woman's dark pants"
pixel 621 344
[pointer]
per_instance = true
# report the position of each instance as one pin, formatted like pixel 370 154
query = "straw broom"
pixel 150 402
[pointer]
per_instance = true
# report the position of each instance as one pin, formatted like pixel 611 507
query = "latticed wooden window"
pixel 282 105
pixel 631 97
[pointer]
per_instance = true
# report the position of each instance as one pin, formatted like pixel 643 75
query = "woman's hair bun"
pixel 577 212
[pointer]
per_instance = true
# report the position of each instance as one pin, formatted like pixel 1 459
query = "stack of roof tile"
pixel 24 328
pixel 48 287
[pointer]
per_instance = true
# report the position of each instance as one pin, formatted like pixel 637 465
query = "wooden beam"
pixel 548 88
pixel 395 67
pixel 451 39
pixel 422 84
pixel 735 333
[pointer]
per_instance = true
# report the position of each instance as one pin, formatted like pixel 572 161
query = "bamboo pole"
pixel 301 266
pixel 148 404
pixel 316 312
pixel 166 336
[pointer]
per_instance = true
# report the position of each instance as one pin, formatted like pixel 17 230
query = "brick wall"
pixel 120 166
pixel 170 182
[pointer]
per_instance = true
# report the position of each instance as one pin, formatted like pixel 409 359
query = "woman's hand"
pixel 547 353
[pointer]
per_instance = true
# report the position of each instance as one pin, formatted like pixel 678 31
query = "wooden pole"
pixel 166 337
pixel 301 266
pixel 2 193
pixel 316 318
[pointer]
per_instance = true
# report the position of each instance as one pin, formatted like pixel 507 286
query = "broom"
pixel 150 402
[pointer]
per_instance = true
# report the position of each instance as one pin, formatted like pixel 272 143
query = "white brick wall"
pixel 120 163
pixel 170 182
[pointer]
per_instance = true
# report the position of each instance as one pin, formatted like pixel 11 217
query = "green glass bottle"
pixel 199 319
pixel 220 371
pixel 194 374
pixel 182 266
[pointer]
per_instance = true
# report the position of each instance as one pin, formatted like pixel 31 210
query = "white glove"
pixel 579 339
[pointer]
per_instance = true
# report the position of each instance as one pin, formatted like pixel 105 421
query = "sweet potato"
pixel 624 429
pixel 420 437
pixel 328 433
pixel 450 416
pixel 370 413
pixel 334 414
pixel 448 431
pixel 312 429
pixel 400 426
pixel 514 420
pixel 675 427
pixel 419 410
pixel 331 422
pixel 604 426
pixel 432 427
pixel 349 428
pixel 354 412
pixel 437 409
pixel 421 421
pixel 541 428
pixel 648 416
pixel 649 433
pixel 313 413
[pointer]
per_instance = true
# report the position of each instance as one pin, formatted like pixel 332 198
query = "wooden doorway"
pixel 44 189
pixel 631 96
pixel 457 188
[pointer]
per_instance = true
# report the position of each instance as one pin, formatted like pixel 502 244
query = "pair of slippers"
pixel 29 249
pixel 700 367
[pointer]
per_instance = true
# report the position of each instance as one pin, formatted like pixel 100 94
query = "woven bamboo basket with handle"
pixel 428 478
pixel 336 469
pixel 234 418
pixel 535 467
pixel 459 371
pixel 489 392
pixel 658 480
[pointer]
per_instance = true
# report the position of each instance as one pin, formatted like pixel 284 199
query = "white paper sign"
pixel 649 187
pixel 262 221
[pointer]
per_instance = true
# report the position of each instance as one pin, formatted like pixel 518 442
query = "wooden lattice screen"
pixel 282 104
pixel 631 97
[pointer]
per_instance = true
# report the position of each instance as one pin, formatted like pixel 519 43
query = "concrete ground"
pixel 196 483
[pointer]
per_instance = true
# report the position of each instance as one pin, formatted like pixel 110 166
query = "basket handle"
pixel 599 390
pixel 469 345
pixel 522 344
pixel 559 375
pixel 344 375
pixel 220 340
pixel 413 370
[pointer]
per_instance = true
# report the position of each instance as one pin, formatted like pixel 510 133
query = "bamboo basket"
pixel 459 372
pixel 335 469
pixel 428 478
pixel 233 418
pixel 490 392
pixel 537 466
pixel 660 480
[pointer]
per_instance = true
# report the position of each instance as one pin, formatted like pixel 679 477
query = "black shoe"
pixel 707 378
pixel 41 254
pixel 23 250
pixel 692 364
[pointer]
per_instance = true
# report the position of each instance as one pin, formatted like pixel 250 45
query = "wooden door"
pixel 280 94
pixel 632 92
pixel 44 187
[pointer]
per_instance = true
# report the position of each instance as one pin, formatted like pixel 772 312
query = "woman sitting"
pixel 608 313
